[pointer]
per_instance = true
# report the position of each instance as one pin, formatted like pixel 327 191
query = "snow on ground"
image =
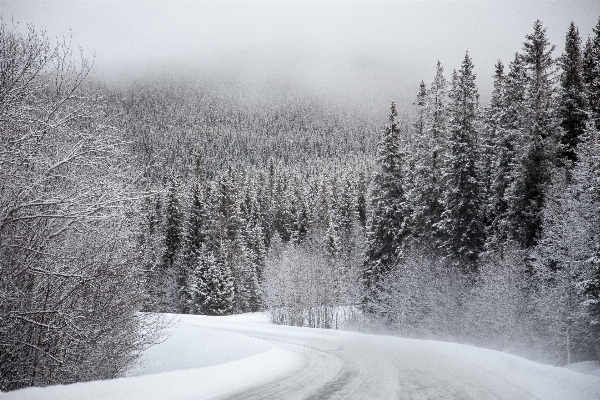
pixel 190 346
pixel 245 357
pixel 586 367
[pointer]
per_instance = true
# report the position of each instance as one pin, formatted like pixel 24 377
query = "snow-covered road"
pixel 245 357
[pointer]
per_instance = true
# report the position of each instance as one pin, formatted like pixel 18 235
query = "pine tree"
pixel 361 206
pixel 420 169
pixel 461 223
pixel 490 143
pixel 195 237
pixel 173 275
pixel 346 210
pixel 331 239
pixel 173 225
pixel 283 215
pixel 388 226
pixel 572 108
pixel 591 75
pixel 438 135
pixel 539 145
pixel 255 246
pixel 152 243
pixel 494 155
pixel 213 287
pixel 511 139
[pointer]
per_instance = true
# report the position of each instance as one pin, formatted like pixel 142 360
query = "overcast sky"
pixel 347 48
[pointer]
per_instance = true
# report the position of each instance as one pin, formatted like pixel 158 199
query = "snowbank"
pixel 197 383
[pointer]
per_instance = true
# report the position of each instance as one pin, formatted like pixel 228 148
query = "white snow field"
pixel 246 357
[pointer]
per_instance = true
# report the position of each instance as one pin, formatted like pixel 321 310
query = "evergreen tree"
pixel 388 225
pixel 437 130
pixel 361 206
pixel 195 237
pixel 420 187
pixel 152 243
pixel 331 239
pixel 346 210
pixel 169 278
pixel 511 139
pixel 173 225
pixel 439 117
pixel 213 290
pixel 494 154
pixel 539 145
pixel 461 223
pixel 591 75
pixel 572 108
pixel 283 215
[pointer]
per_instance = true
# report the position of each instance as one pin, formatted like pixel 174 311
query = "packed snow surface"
pixel 245 357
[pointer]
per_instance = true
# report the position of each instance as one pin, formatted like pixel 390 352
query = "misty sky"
pixel 380 49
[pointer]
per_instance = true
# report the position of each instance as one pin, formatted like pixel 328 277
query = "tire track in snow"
pixel 339 367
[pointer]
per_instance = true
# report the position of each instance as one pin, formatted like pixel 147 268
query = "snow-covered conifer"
pixel 572 109
pixel 461 222
pixel 388 221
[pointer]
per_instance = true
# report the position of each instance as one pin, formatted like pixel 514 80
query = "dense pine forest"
pixel 452 219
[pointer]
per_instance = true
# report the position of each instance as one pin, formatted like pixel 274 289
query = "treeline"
pixel 217 247
pixel 483 222
pixel 471 224
pixel 168 119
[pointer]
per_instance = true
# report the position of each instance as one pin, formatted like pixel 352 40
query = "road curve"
pixel 245 357
pixel 347 365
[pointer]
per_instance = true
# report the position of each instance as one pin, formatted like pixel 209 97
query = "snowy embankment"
pixel 246 357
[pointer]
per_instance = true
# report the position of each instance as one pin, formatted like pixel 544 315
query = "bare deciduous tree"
pixel 69 288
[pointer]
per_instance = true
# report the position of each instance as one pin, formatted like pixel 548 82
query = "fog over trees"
pixel 452 219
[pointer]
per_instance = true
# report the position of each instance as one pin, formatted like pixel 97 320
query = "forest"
pixel 452 220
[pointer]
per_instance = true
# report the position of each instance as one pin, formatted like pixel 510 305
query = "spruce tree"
pixel 213 285
pixel 512 138
pixel 461 223
pixel 283 215
pixel 572 109
pixel 361 205
pixel 591 75
pixel 494 154
pixel 539 144
pixel 195 237
pixel 437 129
pixel 387 227
pixel 419 192
pixel 173 225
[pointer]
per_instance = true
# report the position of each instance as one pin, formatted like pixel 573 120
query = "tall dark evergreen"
pixel 591 74
pixel 438 134
pixel 511 138
pixel 420 190
pixel 572 108
pixel 195 237
pixel 461 224
pixel 539 144
pixel 173 225
pixel 492 152
pixel 387 226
